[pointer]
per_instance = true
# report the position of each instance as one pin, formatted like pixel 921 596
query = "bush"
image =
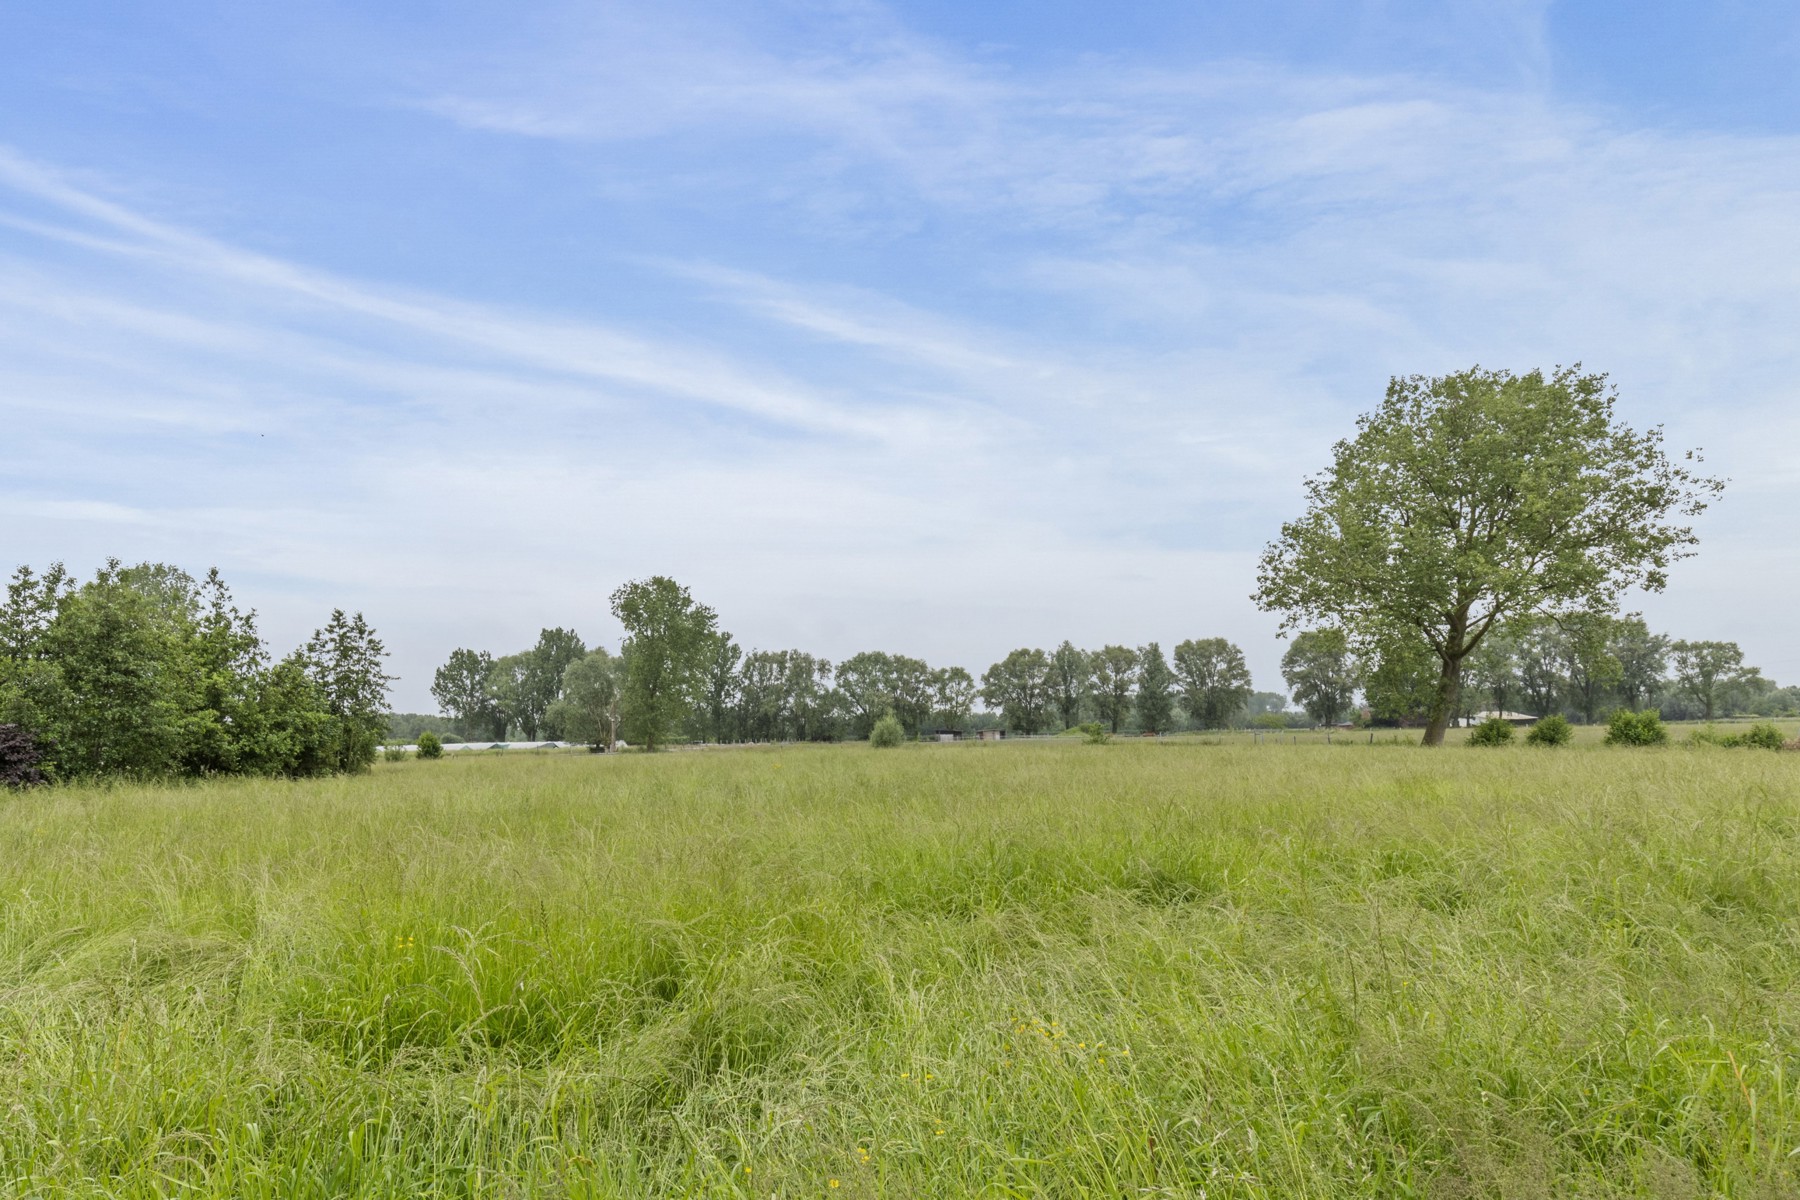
pixel 1760 736
pixel 1269 720
pixel 1763 736
pixel 20 755
pixel 1095 733
pixel 1553 730
pixel 393 754
pixel 1495 731
pixel 430 746
pixel 1629 728
pixel 887 732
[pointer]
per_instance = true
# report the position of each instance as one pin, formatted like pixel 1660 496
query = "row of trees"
pixel 488 696
pixel 144 671
pixel 678 674
pixel 559 689
pixel 1208 685
pixel 1581 665
pixel 1588 665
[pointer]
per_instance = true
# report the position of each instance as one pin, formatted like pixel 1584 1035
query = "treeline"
pixel 1583 667
pixel 1587 666
pixel 144 671
pixel 678 675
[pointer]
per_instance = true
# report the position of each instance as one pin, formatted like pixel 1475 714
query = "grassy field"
pixel 1046 969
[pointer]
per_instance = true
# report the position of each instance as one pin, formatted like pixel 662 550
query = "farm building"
pixel 1511 718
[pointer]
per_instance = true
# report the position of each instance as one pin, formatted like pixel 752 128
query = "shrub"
pixel 1553 730
pixel 1495 731
pixel 1095 733
pixel 1763 736
pixel 430 746
pixel 20 755
pixel 393 754
pixel 1629 728
pixel 1760 736
pixel 1268 720
pixel 887 732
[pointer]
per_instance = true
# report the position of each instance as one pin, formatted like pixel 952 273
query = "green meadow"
pixel 1180 968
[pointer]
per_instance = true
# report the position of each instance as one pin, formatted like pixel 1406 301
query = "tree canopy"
pixel 1704 671
pixel 144 671
pixel 1468 499
pixel 588 708
pixel 668 635
pixel 1155 701
pixel 1215 680
pixel 1321 673
pixel 1018 687
pixel 1114 680
pixel 1070 681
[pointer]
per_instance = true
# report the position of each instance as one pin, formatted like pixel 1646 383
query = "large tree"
pixel 1399 681
pixel 1540 666
pixel 953 696
pixel 812 703
pixel 117 696
pixel 1643 660
pixel 1018 688
pixel 344 661
pixel 764 699
pixel 1494 669
pixel 1155 701
pixel 786 695
pixel 460 687
pixel 1465 500
pixel 915 692
pixel 1071 677
pixel 1215 680
pixel 1588 662
pixel 506 688
pixel 668 635
pixel 541 685
pixel 588 708
pixel 866 682
pixel 716 712
pixel 1321 673
pixel 1707 672
pixel 1114 679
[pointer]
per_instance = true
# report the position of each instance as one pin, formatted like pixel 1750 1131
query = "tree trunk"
pixel 1444 704
pixel 1456 647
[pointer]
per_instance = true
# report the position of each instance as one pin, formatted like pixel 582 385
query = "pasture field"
pixel 1045 969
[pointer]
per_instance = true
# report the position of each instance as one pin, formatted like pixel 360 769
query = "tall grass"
pixel 1008 970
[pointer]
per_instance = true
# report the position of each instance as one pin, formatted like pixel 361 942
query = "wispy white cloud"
pixel 560 346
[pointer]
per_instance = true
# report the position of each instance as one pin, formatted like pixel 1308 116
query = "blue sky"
pixel 935 327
